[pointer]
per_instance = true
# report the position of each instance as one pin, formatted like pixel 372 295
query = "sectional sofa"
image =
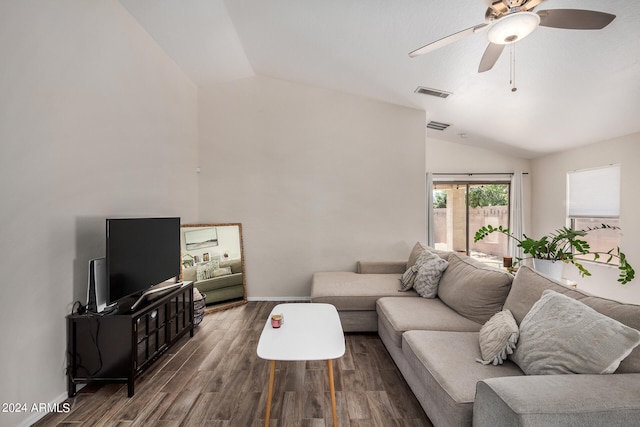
pixel 549 369
pixel 228 285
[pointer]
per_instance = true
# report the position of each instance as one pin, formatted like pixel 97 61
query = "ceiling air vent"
pixel 433 92
pixel 437 125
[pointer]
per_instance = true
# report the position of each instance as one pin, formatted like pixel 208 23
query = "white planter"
pixel 549 268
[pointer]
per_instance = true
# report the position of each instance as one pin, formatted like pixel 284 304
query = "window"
pixel 460 208
pixel 593 200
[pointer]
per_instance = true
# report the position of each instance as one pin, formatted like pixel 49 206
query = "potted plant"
pixel 565 244
pixel 187 260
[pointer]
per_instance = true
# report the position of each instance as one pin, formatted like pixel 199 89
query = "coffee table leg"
pixel 272 372
pixel 332 388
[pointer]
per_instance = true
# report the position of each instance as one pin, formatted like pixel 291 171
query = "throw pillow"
pixel 498 338
pixel 561 335
pixel 205 270
pixel 430 269
pixel 408 277
pixel 224 271
pixel 413 264
pixel 201 271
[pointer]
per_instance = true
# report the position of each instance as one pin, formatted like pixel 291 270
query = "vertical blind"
pixel 594 193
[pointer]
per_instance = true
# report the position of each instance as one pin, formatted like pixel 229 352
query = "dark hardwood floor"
pixel 216 379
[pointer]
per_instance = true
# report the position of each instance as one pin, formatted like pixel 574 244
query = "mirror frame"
pixel 222 306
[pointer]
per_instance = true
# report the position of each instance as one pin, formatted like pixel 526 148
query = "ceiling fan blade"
pixel 491 55
pixel 575 19
pixel 447 40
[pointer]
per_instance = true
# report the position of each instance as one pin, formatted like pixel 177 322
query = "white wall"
pixel 449 157
pixel 549 207
pixel 95 121
pixel 319 179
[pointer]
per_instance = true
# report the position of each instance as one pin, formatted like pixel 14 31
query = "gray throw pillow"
pixel 498 338
pixel 415 261
pixel 430 269
pixel 408 277
pixel 561 335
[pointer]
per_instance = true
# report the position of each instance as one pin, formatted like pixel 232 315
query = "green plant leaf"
pixel 562 244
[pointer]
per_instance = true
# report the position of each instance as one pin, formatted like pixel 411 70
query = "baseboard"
pixel 38 415
pixel 279 299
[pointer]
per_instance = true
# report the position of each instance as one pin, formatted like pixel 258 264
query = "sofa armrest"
pixel 558 400
pixel 381 267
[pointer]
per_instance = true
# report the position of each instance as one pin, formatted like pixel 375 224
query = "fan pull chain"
pixel 512 68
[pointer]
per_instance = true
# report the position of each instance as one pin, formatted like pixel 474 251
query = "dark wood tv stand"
pixel 119 347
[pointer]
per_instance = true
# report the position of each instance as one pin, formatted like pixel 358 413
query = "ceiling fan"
pixel 508 21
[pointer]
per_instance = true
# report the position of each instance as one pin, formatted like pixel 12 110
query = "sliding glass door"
pixel 461 208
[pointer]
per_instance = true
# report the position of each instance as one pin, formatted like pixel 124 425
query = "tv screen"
pixel 141 253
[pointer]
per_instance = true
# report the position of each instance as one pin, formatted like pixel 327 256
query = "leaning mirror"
pixel 213 259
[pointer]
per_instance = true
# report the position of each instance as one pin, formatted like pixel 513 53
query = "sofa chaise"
pixel 436 343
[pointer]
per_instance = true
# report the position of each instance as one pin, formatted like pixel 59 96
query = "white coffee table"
pixel 309 332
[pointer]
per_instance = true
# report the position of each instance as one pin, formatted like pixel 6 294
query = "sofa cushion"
pixel 445 362
pixel 498 338
pixel 473 289
pixel 352 291
pixel 381 267
pixel 417 250
pixel 527 289
pixel 223 294
pixel 398 315
pixel 561 335
pixel 220 282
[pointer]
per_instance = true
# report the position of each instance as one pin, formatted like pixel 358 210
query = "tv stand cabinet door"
pixel 180 314
pixel 99 349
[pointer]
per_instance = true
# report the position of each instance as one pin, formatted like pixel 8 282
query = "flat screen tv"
pixel 141 253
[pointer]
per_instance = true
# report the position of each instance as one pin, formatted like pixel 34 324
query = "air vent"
pixel 437 125
pixel 432 92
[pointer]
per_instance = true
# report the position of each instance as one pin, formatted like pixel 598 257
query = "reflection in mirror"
pixel 212 258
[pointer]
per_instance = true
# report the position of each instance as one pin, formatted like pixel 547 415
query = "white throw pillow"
pixel 201 271
pixel 561 335
pixel 205 270
pixel 429 271
pixel 498 338
pixel 224 271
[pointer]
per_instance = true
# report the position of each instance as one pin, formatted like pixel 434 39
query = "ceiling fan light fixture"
pixel 513 27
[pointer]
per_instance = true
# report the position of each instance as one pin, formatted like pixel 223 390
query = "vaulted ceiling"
pixel 573 87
